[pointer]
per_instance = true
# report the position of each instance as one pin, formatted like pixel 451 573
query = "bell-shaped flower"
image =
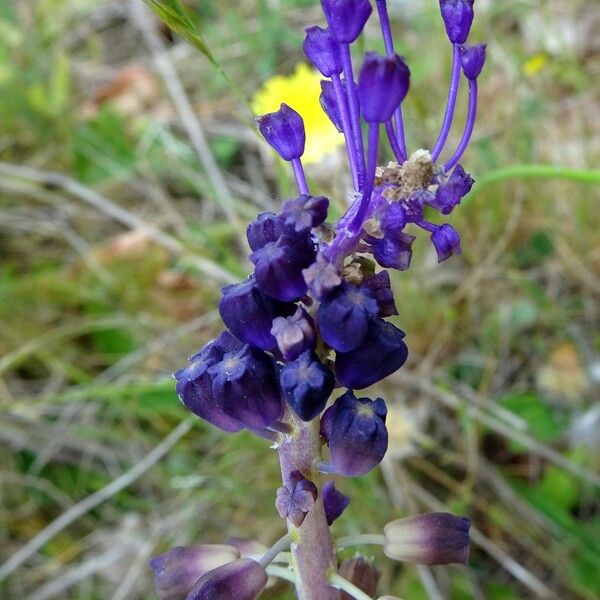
pixel 279 266
pixel 346 18
pixel 284 131
pixel 393 251
pixel 248 312
pixel 429 539
pixel 356 434
pixel 245 386
pixel 382 85
pixel 176 572
pixel 362 573
pixel 267 227
pixel 452 191
pixel 382 352
pixel 323 51
pixel 322 277
pixel 472 59
pixel 392 219
pixel 380 287
pixel 306 384
pixel 329 103
pixel 345 315
pixel 295 500
pixel 243 579
pixel 295 334
pixel 305 212
pixel 194 384
pixel 458 18
pixel 334 501
pixel 446 242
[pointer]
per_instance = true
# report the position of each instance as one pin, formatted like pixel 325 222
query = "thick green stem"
pixel 312 548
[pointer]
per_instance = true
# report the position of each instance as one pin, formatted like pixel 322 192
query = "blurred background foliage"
pixel 121 216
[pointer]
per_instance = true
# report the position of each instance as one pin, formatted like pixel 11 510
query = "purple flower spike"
pixel 364 575
pixel 284 131
pixel 243 579
pixel 357 438
pixel 306 384
pixel 295 501
pixel 267 227
pixel 305 212
pixel 249 313
pixel 329 103
pixel 450 193
pixel 446 242
pixel 346 18
pixel 430 539
pixel 194 384
pixel 393 252
pixel 323 51
pixel 381 353
pixel 458 18
pixel 176 572
pixel 380 286
pixel 322 277
pixel 382 85
pixel 344 316
pixel 245 387
pixel 334 501
pixel 279 266
pixel 295 334
pixel 472 59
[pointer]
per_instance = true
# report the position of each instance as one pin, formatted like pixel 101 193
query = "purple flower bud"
pixel 393 219
pixel 243 579
pixel 364 575
pixel 430 539
pixel 452 191
pixel 382 85
pixel 245 387
pixel 472 59
pixel 306 384
pixel 345 315
pixel 458 17
pixel 305 212
pixel 194 384
pixel 294 334
pixel 346 18
pixel 381 353
pixel 446 242
pixel 295 501
pixel 247 546
pixel 414 205
pixel 176 572
pixel 393 252
pixel 323 51
pixel 279 266
pixel 267 227
pixel 380 287
pixel 322 277
pixel 329 103
pixel 284 131
pixel 334 501
pixel 248 313
pixel 357 438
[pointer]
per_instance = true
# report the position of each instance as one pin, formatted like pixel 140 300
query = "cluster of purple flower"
pixel 312 316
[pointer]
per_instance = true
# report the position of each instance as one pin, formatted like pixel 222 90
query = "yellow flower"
pixel 535 64
pixel 301 91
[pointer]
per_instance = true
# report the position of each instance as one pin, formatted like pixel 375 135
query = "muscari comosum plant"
pixel 310 324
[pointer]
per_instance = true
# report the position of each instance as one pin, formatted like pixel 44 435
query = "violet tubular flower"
pixel 314 313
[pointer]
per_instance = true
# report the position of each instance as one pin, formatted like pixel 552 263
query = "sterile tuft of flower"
pixel 323 51
pixel 356 434
pixel 176 572
pixel 334 501
pixel 346 18
pixel 472 59
pixel 382 85
pixel 243 579
pixel 362 573
pixel 429 539
pixel 284 131
pixel 458 18
pixel 295 500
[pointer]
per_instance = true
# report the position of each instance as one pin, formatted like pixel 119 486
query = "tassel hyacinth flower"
pixel 312 320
